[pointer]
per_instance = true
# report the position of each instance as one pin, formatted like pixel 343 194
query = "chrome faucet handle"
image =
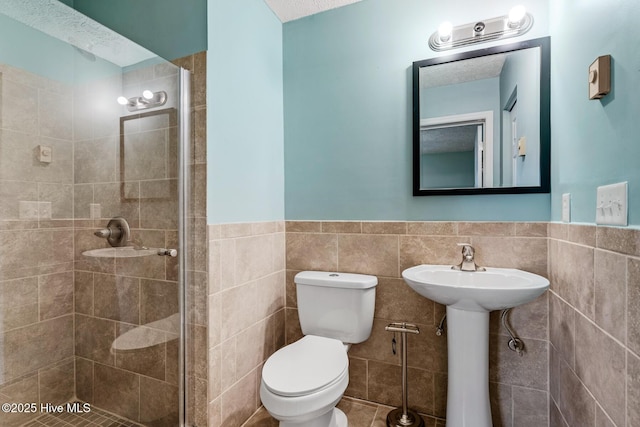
pixel 468 262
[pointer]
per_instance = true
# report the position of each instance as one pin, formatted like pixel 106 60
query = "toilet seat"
pixel 305 366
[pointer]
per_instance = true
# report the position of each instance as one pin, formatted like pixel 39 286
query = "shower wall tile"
pixel 84 379
pixel 158 403
pixel 18 303
pixel 148 360
pixel 116 391
pixel 55 295
pixel 57 385
pixel 116 298
pixel 93 339
pixel 36 346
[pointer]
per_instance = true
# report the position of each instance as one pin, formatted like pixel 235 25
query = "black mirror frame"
pixel 544 43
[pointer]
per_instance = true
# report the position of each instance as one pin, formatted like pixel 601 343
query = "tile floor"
pixel 95 418
pixel 360 414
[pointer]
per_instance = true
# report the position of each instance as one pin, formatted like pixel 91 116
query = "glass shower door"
pixel 92 224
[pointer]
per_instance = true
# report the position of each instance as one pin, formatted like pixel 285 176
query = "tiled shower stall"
pixel 103 330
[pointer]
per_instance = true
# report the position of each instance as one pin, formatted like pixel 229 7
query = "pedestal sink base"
pixel 468 384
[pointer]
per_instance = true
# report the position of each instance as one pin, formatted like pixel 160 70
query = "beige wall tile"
pixel 487 228
pixel 501 399
pixel 158 403
pixel 432 228
pixel 575 402
pixel 23 390
pixel 158 300
pixel 306 251
pixel 378 345
pixel 149 358
pixel 524 253
pixel 18 303
pixel 368 254
pixel 610 281
pixel 397 302
pixel 94 338
pixel 303 226
pixel 57 383
pixel 36 346
pixel 385 386
pixel 529 320
pixel 357 378
pixel 254 257
pixel 117 298
pixel 633 305
pixel 416 250
pixel 530 407
pixel 582 234
pixel 84 379
pixel 117 391
pixel 623 240
pixel 384 227
pixel 507 367
pixel 239 306
pixel 572 275
pixel 562 329
pixel 239 402
pixel 532 229
pixel 633 389
pixel 352 227
pixel 595 349
pixel 55 295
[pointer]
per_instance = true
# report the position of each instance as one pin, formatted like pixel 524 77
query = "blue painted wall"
pixel 348 113
pixel 462 98
pixel 245 113
pixel 169 28
pixel 520 74
pixel 594 142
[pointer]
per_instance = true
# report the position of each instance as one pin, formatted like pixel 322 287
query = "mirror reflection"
pixel 482 125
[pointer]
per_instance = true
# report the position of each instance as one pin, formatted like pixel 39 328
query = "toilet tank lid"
pixel 332 279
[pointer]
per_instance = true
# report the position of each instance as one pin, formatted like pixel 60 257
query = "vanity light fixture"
pixel 516 23
pixel 148 99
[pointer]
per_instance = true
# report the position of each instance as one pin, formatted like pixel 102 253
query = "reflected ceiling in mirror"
pixel 481 121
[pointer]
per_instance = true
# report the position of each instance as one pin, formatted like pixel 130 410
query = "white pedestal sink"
pixel 469 297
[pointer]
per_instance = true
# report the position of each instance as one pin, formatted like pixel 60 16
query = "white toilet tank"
pixel 336 305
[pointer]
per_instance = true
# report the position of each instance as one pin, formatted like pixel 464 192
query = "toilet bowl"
pixel 303 382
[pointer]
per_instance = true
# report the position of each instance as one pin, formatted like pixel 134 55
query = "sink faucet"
pixel 468 263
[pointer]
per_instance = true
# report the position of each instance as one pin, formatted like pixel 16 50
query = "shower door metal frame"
pixel 184 187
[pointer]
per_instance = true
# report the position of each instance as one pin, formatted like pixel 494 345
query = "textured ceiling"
pixel 483 67
pixel 64 23
pixel 288 10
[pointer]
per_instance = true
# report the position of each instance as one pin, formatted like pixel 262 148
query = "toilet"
pixel 303 382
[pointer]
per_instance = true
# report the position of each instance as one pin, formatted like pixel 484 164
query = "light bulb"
pixel 444 31
pixel 516 15
pixel 147 94
pixel 122 100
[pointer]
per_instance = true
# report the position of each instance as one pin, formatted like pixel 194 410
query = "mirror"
pixel 481 121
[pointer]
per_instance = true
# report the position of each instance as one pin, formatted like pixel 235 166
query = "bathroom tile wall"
pixel 519 384
pixel 594 307
pixel 36 242
pixel 246 314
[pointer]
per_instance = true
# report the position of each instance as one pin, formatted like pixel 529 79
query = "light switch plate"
pixel 611 204
pixel 566 207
